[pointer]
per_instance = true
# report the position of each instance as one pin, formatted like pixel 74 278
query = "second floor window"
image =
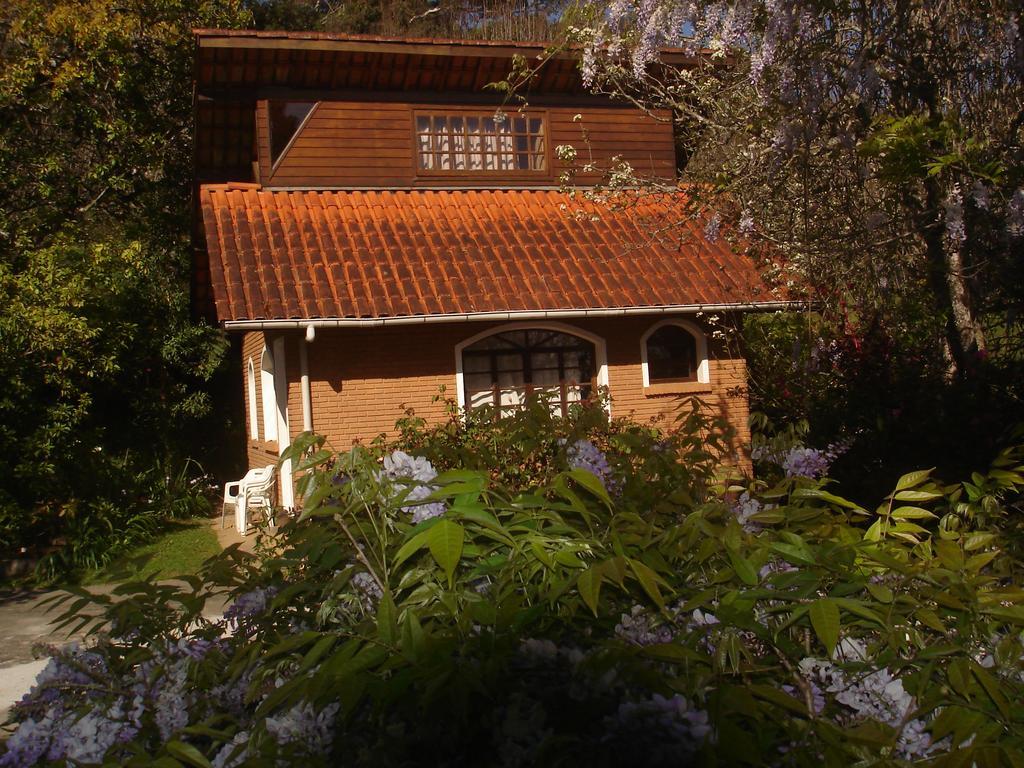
pixel 478 143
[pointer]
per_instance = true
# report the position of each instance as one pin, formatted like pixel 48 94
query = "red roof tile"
pixel 339 254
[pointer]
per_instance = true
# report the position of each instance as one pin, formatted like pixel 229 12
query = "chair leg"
pixel 242 514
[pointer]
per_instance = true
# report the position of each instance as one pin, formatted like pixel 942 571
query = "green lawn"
pixel 180 549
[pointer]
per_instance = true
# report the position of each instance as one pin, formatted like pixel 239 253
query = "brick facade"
pixel 363 379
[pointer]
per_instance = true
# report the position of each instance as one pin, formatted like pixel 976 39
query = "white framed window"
pixel 674 352
pixel 502 367
pixel 475 142
pixel 268 396
pixel 254 413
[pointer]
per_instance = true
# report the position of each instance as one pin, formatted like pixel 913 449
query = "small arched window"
pixel 250 386
pixel 674 352
pixel 268 395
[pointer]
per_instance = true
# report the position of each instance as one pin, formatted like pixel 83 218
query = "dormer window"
pixel 465 142
pixel 286 117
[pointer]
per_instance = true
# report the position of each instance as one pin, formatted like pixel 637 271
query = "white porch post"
pixel 284 438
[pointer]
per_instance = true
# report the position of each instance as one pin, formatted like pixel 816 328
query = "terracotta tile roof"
pixel 278 254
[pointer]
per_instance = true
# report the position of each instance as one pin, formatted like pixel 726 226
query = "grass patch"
pixel 179 549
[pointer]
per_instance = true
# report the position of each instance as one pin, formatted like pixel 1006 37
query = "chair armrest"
pixel 228 495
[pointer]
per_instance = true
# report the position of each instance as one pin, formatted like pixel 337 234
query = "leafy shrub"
pixel 93 532
pixel 566 622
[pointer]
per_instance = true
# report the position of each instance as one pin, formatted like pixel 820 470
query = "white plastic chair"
pixel 255 490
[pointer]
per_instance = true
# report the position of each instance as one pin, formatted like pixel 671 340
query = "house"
pixel 373 231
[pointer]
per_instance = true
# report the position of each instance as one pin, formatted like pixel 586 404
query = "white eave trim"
pixel 512 316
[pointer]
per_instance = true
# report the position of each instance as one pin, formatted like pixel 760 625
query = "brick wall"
pixel 362 380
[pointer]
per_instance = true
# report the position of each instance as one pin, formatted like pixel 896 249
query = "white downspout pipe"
pixel 307 397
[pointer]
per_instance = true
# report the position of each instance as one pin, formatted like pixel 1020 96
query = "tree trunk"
pixel 964 337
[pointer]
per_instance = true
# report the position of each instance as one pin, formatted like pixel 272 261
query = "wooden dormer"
pixel 321 111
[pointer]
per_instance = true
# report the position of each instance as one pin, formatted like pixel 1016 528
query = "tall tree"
pixel 876 143
pixel 102 372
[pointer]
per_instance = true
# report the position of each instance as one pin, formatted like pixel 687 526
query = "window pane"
pixel 511 363
pixel 672 354
pixel 545 377
pixel 476 363
pixel 544 360
pixel 476 382
pixel 285 119
pixel 481 143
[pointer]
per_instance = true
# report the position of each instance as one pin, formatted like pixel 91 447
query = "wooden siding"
pixel 371 144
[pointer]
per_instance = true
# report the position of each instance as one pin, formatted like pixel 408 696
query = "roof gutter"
pixel 530 314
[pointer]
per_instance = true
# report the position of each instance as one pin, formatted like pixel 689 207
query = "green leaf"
pixel 991 687
pixel 950 554
pixel 794 553
pixel 911 479
pixel 589 586
pixel 959 675
pixel 743 567
pixel 445 541
pixel 412 546
pixel 817 493
pixel 648 580
pixel 880 592
pixel 917 496
pixel 858 608
pixel 187 754
pixel 825 620
pixel 911 513
pixel 591 482
pixel 412 636
pixel 773 695
pixel 387 619
pixel 571 559
pixel 542 554
pixel 315 653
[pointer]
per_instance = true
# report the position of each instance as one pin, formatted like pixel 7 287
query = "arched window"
pixel 250 384
pixel 674 352
pixel 268 395
pixel 505 368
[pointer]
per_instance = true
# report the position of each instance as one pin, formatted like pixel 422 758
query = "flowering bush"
pixel 562 624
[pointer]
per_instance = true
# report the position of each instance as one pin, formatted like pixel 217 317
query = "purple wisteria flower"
pixel 1015 214
pixel 411 476
pixel 367 590
pixel 248 605
pixel 583 454
pixel 806 462
pixel 713 227
pixel 956 231
pixel 641 627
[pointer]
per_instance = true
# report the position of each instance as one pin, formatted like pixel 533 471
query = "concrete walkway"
pixel 26 622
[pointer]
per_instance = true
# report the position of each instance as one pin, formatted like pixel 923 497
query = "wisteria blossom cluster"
pixel 78 708
pixel 870 693
pixel 412 477
pixel 583 454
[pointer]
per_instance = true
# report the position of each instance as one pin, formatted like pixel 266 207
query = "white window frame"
pixel 254 409
pixel 600 352
pixel 267 395
pixel 703 366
